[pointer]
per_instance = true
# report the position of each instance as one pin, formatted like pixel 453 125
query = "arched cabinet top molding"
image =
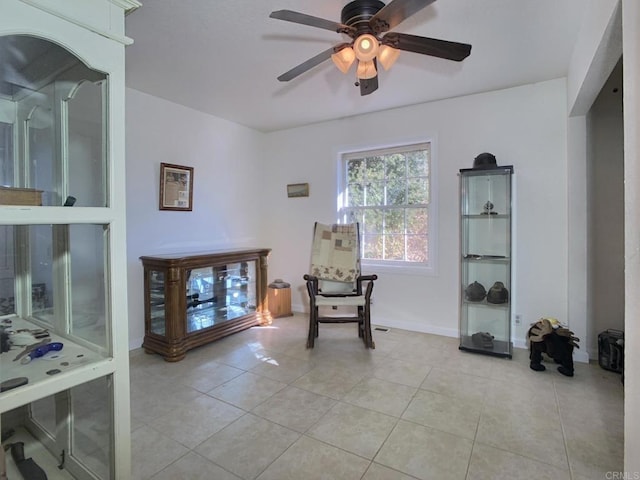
pixel 105 17
pixel 97 49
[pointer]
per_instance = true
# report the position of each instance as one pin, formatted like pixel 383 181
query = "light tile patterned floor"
pixel 259 405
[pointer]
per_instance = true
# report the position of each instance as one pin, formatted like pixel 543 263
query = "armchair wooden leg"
pixel 313 327
pixel 367 329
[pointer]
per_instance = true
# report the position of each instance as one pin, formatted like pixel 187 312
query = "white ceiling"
pixel 222 57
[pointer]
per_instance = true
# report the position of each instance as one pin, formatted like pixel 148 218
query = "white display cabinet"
pixel 63 297
pixel 485 263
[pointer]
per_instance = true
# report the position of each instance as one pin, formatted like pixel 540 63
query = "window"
pixel 388 192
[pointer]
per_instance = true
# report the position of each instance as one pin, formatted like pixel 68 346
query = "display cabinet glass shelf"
pixel 63 297
pixel 195 298
pixel 485 260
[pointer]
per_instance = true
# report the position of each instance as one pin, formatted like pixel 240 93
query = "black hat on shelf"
pixel 498 293
pixel 482 339
pixel 485 160
pixel 475 292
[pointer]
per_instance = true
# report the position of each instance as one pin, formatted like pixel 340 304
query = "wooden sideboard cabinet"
pixel 192 299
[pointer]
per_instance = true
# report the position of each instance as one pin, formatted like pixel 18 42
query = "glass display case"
pixel 485 250
pixel 78 447
pixel 64 366
pixel 193 299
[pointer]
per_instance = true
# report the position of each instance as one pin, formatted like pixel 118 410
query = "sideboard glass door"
pixel 220 293
pixel 157 302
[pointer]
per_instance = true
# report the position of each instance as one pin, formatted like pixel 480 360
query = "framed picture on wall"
pixel 176 187
pixel 298 190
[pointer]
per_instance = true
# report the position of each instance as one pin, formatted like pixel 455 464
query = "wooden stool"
pixel 279 296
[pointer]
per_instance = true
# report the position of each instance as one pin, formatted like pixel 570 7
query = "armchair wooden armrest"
pixel 365 278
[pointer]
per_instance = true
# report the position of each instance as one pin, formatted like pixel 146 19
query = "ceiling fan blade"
pixel 428 46
pixel 309 64
pixel 394 13
pixel 368 86
pixel 304 19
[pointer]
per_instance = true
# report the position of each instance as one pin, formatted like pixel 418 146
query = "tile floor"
pixel 259 405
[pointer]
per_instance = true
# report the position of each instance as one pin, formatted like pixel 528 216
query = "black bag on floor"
pixel 611 350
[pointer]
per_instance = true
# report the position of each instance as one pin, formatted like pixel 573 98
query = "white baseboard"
pixel 578 355
pixel 135 343
pixel 412 327
pixel 299 308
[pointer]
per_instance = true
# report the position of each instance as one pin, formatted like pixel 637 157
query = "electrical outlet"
pixel 518 319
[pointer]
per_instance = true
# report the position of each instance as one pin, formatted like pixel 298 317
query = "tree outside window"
pixel 388 193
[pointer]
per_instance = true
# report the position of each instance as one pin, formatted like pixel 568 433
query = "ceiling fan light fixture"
pixel 366 70
pixel 366 47
pixel 370 25
pixel 387 56
pixel 344 59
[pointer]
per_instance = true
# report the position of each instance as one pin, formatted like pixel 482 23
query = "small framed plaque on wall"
pixel 176 187
pixel 298 190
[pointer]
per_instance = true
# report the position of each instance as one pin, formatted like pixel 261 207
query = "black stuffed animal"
pixel 5 344
pixel 558 343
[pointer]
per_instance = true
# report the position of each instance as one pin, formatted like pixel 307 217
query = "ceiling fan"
pixel 364 21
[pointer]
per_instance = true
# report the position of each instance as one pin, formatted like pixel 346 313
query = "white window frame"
pixel 428 268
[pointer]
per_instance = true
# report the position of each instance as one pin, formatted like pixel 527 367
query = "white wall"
pixel 523 126
pixel 609 28
pixel 580 318
pixel 631 87
pixel 227 183
pixel 240 194
pixel 597 50
pixel 606 210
